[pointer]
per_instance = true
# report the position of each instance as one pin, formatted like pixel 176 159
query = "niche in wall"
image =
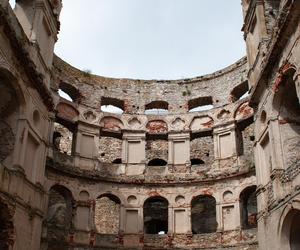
pixel 132 220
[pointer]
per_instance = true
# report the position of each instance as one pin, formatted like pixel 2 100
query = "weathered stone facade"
pixel 183 164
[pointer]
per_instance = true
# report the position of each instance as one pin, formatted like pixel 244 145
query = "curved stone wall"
pixel 133 156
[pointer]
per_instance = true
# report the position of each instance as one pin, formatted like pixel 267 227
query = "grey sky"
pixel 151 39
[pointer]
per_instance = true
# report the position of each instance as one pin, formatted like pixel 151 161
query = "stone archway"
pixel 290 230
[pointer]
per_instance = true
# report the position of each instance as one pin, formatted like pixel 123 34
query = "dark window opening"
pixel 294 231
pixel 197 161
pixel 290 106
pixel 249 207
pixel 156 108
pixel 157 162
pixel 117 161
pixel 156 216
pixel 60 213
pixel 112 105
pixel 240 92
pixel 200 104
pixel 204 215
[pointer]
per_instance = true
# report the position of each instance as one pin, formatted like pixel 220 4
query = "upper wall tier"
pixel 134 96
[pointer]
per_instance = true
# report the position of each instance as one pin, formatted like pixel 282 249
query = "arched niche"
pixel 243 111
pixel 12 104
pixel 286 104
pixel 248 205
pixel 203 209
pixel 157 127
pixel 289 226
pixel 111 124
pixel 107 214
pixel 156 215
pixel 201 123
pixel 59 219
pixel 67 112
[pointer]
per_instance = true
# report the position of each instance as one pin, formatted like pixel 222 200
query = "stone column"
pixel 141 220
pixel 170 220
pixel 219 217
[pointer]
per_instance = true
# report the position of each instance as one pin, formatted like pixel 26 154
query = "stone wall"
pixel 110 149
pixel 107 216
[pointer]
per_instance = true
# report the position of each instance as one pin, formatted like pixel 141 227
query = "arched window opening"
pixel 157 108
pixel 200 104
pixel 290 105
pixel 245 137
pixel 6 227
pixel 295 231
pixel 157 162
pixel 64 95
pixel 197 161
pixel 112 105
pixel 248 207
pixel 68 92
pixel 240 92
pixel 117 161
pixel 107 214
pixel 156 216
pixel 204 215
pixel 63 139
pixel 59 215
pixel 111 109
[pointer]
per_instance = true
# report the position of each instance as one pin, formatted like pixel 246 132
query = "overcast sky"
pixel 151 39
